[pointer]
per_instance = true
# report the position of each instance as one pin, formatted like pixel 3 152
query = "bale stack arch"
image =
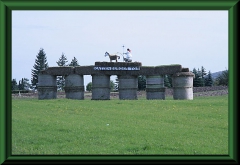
pixel 128 79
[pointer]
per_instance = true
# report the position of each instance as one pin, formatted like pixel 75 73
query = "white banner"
pixel 116 68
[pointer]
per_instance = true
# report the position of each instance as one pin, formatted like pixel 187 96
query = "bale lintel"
pixel 59 70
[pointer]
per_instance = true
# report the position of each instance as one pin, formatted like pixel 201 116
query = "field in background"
pixel 64 126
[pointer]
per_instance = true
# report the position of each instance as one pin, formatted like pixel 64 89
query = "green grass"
pixel 64 126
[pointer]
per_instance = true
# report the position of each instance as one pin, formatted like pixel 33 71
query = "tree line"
pixel 202 77
pixel 41 64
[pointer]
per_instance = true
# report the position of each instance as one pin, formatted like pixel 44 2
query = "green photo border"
pixel 6 7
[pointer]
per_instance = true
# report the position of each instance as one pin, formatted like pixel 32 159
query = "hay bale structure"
pixel 128 81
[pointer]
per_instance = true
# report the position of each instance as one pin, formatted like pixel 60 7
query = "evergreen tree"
pixel 20 84
pixel 197 78
pixel 112 85
pixel 201 80
pixel 89 87
pixel 208 79
pixel 62 60
pixel 167 81
pixel 40 64
pixel 170 79
pixel 141 82
pixel 61 79
pixel 24 84
pixel 203 74
pixel 14 85
pixel 222 79
pixel 74 62
pixel 116 84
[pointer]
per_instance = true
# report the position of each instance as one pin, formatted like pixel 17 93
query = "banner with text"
pixel 116 68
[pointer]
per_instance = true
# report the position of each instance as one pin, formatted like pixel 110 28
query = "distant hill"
pixel 216 74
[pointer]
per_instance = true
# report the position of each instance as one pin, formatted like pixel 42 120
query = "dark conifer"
pixel 40 64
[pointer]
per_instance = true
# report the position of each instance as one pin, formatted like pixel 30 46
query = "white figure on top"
pixel 128 56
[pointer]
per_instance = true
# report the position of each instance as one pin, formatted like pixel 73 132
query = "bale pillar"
pixel 47 87
pixel 155 87
pixel 128 86
pixel 101 87
pixel 74 87
pixel 182 86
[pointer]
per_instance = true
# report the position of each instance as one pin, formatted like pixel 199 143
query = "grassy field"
pixel 64 126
